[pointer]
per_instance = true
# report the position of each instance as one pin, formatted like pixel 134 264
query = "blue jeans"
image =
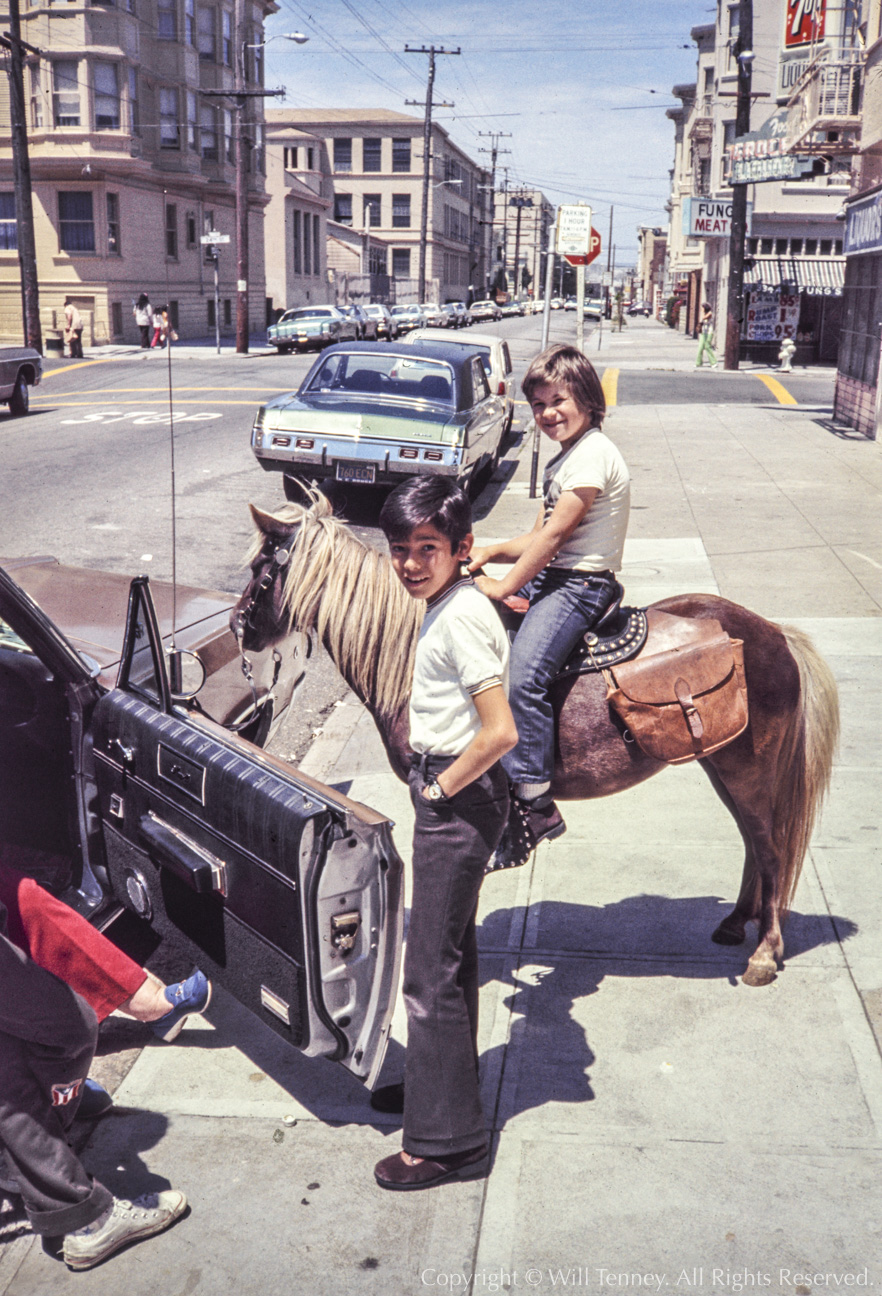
pixel 563 605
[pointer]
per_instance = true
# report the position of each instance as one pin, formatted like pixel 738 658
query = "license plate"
pixel 365 473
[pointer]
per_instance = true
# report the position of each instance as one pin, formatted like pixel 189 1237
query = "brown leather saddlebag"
pixel 687 700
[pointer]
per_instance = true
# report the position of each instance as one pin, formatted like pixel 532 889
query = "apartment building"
pixel 794 267
pixel 132 160
pixel 522 221
pixel 649 276
pixel 296 218
pixel 367 165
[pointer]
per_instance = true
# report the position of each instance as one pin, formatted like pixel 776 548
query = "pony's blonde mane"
pixel 347 594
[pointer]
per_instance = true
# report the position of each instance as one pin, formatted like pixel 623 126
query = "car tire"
pixel 283 350
pixel 20 400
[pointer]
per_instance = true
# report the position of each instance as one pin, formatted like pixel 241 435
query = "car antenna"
pixel 174 657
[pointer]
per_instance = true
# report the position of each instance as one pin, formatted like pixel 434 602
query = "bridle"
pixel 243 620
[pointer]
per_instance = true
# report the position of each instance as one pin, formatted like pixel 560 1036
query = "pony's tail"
pixel 805 762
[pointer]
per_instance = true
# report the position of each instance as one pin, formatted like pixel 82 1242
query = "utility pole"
pixel 608 301
pixel 494 151
pixel 520 201
pixel 431 50
pixel 738 228
pixel 21 165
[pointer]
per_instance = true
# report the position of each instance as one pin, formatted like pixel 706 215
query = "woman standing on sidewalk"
pixel 706 338
pixel 143 313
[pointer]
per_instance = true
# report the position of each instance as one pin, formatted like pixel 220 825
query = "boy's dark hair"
pixel 434 501
pixel 567 366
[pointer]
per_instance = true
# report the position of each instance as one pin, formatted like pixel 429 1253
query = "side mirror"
pixel 186 673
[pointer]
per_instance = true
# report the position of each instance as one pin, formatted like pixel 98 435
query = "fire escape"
pixel 823 113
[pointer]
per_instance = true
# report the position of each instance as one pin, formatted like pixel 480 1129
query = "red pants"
pixel 61 941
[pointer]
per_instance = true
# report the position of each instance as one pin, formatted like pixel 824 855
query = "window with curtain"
pixel 76 224
pixel 167 19
pixel 114 247
pixel 8 227
pixel 342 154
pixel 229 138
pixel 372 154
pixel 66 92
pixel 401 211
pixel 105 87
pixel 192 122
pixel 36 96
pixel 401 155
pixel 169 128
pixel 205 33
pixel 208 132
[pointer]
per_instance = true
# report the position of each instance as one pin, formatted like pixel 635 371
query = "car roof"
pixel 432 351
pixel 442 338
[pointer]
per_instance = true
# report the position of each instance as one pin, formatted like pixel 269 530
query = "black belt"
pixel 427 762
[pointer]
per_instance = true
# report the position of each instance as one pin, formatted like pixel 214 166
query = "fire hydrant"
pixel 785 355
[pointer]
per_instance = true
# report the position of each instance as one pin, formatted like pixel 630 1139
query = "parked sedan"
pixel 374 414
pixel 366 324
pixel 310 326
pixel 434 315
pixel 495 358
pixel 484 310
pixel 386 326
pixel 117 794
pixel 408 317
pixel 20 369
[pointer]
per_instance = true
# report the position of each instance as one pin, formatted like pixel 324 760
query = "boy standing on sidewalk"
pixel 460 725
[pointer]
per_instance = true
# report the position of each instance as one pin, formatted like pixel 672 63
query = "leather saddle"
pixel 618 635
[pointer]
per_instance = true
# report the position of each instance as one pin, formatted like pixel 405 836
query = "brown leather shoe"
pixel 400 1175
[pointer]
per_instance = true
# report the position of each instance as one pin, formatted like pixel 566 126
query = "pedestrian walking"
pixel 73 329
pixel 143 313
pixel 706 339
pixel 47 1041
pixel 159 316
pixel 460 725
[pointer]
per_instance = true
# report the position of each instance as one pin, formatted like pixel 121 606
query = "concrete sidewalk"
pixel 656 1122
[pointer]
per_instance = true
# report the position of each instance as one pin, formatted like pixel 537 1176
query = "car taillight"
pixel 433 454
pixel 500 390
pixel 406 452
pixel 281 441
pixel 304 443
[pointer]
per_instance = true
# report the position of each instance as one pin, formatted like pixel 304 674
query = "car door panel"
pixel 282 891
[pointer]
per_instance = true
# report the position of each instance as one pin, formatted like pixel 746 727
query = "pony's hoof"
pixel 728 935
pixel 760 975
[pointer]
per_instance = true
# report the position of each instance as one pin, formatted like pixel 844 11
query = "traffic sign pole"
pixel 580 306
pixel 212 239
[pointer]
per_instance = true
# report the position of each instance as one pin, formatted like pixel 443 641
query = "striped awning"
pixel 816 276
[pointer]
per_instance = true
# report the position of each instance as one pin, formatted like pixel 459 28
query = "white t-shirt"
pixel 462 650
pixel 598 542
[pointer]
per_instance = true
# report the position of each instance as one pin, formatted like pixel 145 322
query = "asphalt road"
pixel 87 476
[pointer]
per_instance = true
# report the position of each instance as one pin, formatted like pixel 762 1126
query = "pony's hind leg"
pixel 748 798
pixel 732 930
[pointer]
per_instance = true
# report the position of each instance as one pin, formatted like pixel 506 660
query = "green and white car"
pixel 310 326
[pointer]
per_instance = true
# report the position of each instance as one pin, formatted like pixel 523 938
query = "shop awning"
pixel 816 276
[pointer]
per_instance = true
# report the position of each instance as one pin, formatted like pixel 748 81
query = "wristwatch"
pixel 435 792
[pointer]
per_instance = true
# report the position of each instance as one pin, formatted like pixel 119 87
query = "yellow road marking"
pixel 84 364
pixel 610 384
pixel 781 394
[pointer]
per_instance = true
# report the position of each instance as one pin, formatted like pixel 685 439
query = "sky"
pixel 581 86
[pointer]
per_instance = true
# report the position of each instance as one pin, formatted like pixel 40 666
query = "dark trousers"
pixel 47 1041
pixel 76 344
pixel 146 332
pixel 451 846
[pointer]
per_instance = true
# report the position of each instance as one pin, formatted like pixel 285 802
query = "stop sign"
pixel 595 251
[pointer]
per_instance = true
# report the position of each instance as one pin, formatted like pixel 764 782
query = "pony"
pixel 310 574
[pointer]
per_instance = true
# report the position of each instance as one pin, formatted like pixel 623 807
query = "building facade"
pixel 368 167
pixel 522 223
pixel 794 267
pixel 649 276
pixel 132 161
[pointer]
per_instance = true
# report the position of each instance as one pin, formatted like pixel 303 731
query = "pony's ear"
pixel 269 525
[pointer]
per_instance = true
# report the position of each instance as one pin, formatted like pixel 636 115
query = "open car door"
pixel 286 893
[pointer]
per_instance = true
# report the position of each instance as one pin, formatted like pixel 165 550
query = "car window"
pixel 141 674
pixel 480 385
pixel 9 639
pixel 307 312
pixel 366 374
pixel 506 357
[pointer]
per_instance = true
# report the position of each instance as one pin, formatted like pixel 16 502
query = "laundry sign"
pixel 707 218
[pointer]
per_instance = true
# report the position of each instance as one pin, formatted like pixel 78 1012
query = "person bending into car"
pixel 565 566
pixel 48 1035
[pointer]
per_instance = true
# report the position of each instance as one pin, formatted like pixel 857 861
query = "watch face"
pixel 434 791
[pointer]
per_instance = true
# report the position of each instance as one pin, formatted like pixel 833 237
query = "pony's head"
pixel 311 574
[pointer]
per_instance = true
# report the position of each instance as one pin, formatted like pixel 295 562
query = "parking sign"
pixel 573 232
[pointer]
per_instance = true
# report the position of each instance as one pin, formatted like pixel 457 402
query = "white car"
pixel 408 317
pixel 494 355
pixel 434 315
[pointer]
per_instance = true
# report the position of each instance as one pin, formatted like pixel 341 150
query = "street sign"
pixel 214 237
pixel 573 233
pixel 589 256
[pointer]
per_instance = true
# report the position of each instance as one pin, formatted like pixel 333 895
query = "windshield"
pixel 308 312
pixel 385 376
pixel 373 310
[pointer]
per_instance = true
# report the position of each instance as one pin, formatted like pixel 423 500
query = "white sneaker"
pixel 127 1221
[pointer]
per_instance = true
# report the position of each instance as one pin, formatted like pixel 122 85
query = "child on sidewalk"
pixel 460 725
pixel 565 566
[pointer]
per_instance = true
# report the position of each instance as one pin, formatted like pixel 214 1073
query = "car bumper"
pixel 373 461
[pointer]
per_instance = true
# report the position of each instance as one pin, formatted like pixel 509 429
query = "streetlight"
pixel 241 96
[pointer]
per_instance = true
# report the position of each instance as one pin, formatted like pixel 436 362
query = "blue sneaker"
pixel 185 997
pixel 94 1102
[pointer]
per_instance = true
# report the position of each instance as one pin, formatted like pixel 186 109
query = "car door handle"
pixel 189 861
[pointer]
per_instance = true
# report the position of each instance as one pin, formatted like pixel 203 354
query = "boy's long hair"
pixel 568 367
pixel 427 501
